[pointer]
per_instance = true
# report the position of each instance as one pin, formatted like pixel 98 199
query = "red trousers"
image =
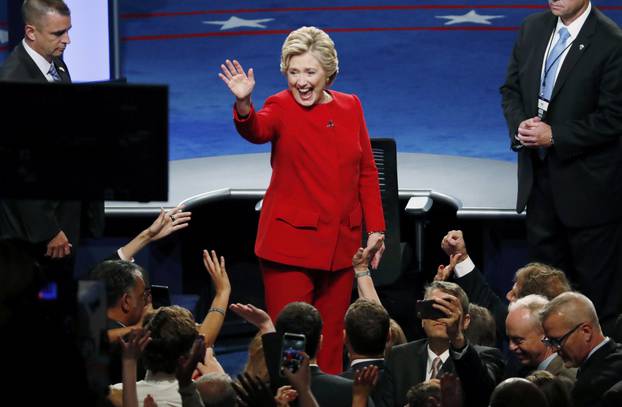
pixel 328 291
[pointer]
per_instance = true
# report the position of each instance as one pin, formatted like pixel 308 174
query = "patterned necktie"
pixel 436 366
pixel 552 62
pixel 54 73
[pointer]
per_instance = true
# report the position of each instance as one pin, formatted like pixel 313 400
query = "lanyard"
pixel 546 56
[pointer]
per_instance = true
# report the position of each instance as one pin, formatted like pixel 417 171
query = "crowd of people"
pixel 544 344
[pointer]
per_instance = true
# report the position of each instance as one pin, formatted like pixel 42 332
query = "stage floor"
pixel 476 187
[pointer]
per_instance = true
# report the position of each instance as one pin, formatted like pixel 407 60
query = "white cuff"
pixel 464 267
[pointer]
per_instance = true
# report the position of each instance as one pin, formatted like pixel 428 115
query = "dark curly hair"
pixel 173 332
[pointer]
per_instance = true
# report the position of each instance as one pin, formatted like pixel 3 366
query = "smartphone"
pixel 425 310
pixel 292 347
pixel 160 297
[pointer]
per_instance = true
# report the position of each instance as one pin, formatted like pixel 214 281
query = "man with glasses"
pixel 572 329
pixel 128 300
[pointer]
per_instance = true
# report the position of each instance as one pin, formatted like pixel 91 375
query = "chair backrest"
pixel 385 156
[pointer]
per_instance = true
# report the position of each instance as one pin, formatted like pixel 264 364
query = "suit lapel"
pixel 33 70
pixel 579 46
pixel 62 70
pixel 421 361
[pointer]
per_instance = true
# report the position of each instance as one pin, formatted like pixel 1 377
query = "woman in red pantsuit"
pixel 324 184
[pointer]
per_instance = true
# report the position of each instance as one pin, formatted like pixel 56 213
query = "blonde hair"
pixel 315 41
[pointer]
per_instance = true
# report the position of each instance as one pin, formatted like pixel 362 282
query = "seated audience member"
pixel 133 347
pixel 424 394
pixel 556 389
pixel 572 329
pixel 524 332
pixel 127 295
pixel 366 335
pixel 538 278
pixel 173 333
pixel 216 390
pixel 534 278
pixel 481 330
pixel 517 392
pixel 303 318
pixel 127 300
pixel 445 349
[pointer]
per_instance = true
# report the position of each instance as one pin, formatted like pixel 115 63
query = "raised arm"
pixel 166 223
pixel 240 84
pixel 210 328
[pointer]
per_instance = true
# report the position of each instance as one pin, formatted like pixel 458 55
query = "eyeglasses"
pixel 557 343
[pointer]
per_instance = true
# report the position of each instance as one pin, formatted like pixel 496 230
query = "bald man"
pixel 572 329
pixel 525 333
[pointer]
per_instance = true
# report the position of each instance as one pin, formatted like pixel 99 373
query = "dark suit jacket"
pixel 585 113
pixel 37 221
pixel 351 372
pixel 479 292
pixel 597 375
pixel 480 369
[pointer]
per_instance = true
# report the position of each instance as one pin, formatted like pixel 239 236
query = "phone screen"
pixel 292 347
pixel 160 296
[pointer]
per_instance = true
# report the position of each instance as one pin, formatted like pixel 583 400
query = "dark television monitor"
pixel 84 141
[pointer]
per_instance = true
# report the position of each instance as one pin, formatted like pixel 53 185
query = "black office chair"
pixel 397 255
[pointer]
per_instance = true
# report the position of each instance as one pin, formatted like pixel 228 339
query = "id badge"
pixel 543 106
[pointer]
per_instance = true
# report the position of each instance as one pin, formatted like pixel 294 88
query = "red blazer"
pixel 324 181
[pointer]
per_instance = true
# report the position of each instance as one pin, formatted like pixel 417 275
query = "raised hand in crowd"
pixel 255 316
pixel 285 395
pixel 364 382
pixel 215 317
pixel 132 347
pixel 375 245
pixel 240 84
pixel 165 224
pixel 253 392
pixel 301 382
pixel 453 243
pixel 364 280
pixel 209 364
pixel 443 273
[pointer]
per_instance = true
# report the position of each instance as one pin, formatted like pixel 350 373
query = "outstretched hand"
pixel 217 271
pixel 168 222
pixel 364 381
pixel 254 315
pixel 374 249
pixel 240 83
pixel 443 273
